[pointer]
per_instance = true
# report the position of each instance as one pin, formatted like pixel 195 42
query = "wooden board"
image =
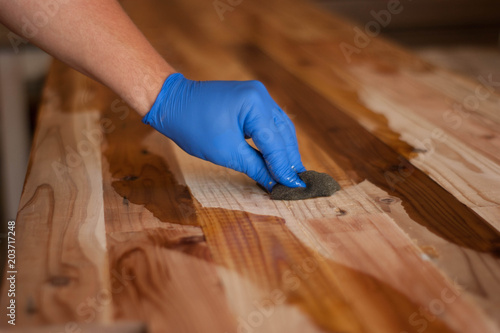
pixel 119 229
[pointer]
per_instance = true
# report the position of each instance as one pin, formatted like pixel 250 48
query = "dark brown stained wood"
pixel 140 176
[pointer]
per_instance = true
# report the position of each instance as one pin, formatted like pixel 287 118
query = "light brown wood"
pixel 128 227
pixel 60 238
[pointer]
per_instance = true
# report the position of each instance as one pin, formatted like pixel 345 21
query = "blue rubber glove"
pixel 211 119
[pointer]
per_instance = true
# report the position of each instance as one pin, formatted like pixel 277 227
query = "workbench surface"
pixel 121 231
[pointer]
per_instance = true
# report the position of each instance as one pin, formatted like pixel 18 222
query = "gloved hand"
pixel 211 119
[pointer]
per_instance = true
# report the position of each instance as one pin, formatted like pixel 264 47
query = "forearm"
pixel 97 38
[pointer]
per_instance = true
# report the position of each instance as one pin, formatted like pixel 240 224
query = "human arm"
pixel 97 38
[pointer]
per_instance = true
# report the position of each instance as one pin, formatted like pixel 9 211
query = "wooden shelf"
pixel 118 229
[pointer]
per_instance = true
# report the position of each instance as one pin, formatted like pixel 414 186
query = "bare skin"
pixel 97 38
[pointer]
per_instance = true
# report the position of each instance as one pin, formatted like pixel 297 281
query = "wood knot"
pixel 488 136
pixel 130 178
pixel 192 239
pixel 59 280
pixel 185 242
pixel 339 211
pixel 389 200
pixel 393 168
pixel 419 150
pixel 430 251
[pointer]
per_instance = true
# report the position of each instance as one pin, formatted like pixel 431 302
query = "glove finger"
pixel 287 131
pixel 250 161
pixel 271 144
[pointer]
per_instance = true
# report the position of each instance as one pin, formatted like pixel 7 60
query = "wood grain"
pixel 118 229
pixel 61 256
pixel 323 225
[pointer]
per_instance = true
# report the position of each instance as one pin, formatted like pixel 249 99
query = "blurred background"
pixel 461 35
pixel 22 72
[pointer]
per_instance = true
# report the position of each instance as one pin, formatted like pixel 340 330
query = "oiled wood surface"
pixel 120 230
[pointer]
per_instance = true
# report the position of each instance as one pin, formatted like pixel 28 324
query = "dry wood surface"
pixel 119 230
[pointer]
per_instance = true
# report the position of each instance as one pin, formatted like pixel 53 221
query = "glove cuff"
pixel 151 117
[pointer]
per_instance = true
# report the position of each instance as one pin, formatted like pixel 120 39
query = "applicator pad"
pixel 317 185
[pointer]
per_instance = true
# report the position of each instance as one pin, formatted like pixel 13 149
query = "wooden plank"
pixel 61 258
